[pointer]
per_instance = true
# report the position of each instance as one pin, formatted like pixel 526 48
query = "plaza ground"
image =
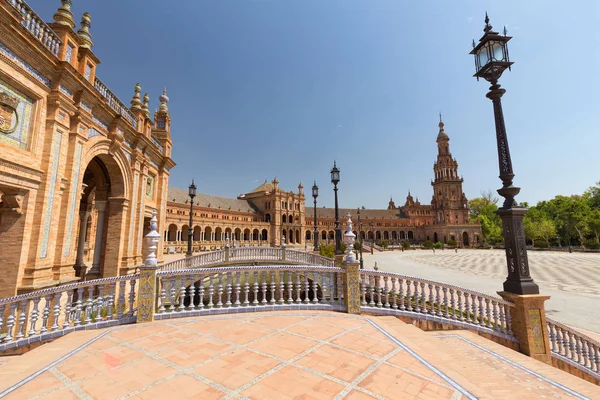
pixel 571 280
pixel 280 356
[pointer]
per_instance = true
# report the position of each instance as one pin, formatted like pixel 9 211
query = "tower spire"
pixel 164 100
pixel 84 32
pixel 136 102
pixel 146 106
pixel 63 15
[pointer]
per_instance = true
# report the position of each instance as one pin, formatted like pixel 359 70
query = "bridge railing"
pixel 53 312
pixel 389 293
pixel 254 254
pixel 248 288
pixel 574 348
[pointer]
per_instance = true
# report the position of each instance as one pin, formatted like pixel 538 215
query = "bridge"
pixel 250 280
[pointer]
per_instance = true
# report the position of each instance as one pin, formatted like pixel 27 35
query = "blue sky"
pixel 282 88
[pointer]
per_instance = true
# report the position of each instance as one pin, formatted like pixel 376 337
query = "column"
pixel 80 267
pixel 101 207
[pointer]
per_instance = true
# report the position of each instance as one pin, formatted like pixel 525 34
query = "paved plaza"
pixel 572 280
pixel 296 355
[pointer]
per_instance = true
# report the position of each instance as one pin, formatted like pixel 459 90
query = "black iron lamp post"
pixel 335 179
pixel 491 60
pixel 373 236
pixel 360 238
pixel 315 194
pixel 192 194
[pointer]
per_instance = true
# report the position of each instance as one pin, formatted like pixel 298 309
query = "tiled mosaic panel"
pixel 20 137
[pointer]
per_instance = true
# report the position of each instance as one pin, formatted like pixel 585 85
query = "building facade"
pixel 269 215
pixel 80 172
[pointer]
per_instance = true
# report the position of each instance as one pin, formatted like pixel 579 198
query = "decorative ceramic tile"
pixel 99 122
pixel 132 216
pixel 15 115
pixel 16 59
pixel 141 217
pixel 52 186
pixel 65 91
pixel 73 198
pixel 92 133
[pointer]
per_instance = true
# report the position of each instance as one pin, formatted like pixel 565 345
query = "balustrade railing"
pixel 52 312
pixel 308 258
pixel 113 102
pixel 198 261
pixel 574 347
pixel 388 293
pixel 255 253
pixel 37 26
pixel 237 289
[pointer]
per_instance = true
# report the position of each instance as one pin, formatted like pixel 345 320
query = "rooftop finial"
pixel 136 102
pixel 504 30
pixel 442 133
pixel 84 32
pixel 63 15
pixel 164 100
pixel 146 106
pixel 487 27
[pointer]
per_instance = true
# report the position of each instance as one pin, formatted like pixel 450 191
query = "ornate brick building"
pixel 80 172
pixel 269 214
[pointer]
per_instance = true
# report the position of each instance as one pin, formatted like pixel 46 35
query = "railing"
pixel 388 293
pixel 243 289
pixel 53 312
pixel 248 254
pixel 574 348
pixel 37 26
pixel 113 102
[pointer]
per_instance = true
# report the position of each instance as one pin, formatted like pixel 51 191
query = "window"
pixel 69 53
pixel 88 71
pixel 150 186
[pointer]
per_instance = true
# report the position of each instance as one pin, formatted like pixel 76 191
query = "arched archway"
pixel 255 235
pixel 435 237
pixel 208 233
pixel 291 237
pixel 307 236
pixel 237 234
pixel 386 235
pixel 284 219
pixel 265 235
pixel 410 235
pixel 378 235
pixel 196 235
pixel 228 234
pixel 219 234
pixel 465 239
pixel 172 233
pixel 323 235
pixel 298 238
pixel 184 233
pixel 105 195
pixel 246 234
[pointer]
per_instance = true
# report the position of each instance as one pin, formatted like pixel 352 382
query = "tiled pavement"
pixel 300 355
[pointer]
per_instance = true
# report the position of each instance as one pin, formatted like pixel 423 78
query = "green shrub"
pixel 427 244
pixel 541 244
pixel 437 245
pixel 327 250
pixel 592 244
pixel 383 243
pixel 452 243
pixel 406 245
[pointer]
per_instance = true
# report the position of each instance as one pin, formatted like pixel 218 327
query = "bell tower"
pixel 449 204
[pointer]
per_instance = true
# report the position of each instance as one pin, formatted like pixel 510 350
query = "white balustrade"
pixel 113 102
pixel 231 289
pixel 38 28
pixel 383 292
pixel 574 347
pixel 41 314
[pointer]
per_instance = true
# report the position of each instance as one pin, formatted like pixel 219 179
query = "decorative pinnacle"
pixel 349 237
pixel 84 32
pixel 504 30
pixel 487 27
pixel 145 107
pixel 136 102
pixel 63 15
pixel 164 100
pixel 152 238
pixel 473 43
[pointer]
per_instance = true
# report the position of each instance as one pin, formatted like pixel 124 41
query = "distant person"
pixel 456 249
pixel 433 250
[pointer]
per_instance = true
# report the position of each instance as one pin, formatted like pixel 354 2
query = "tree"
pixel 594 224
pixel 483 210
pixel 538 225
pixel 570 215
pixel 593 196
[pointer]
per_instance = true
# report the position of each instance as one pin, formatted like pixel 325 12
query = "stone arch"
pixel 378 235
pixel 172 233
pixel 121 181
pixel 208 233
pixel 323 235
pixel 291 237
pixel 386 235
pixel 331 235
pixel 465 239
pixel 255 235
pixel 228 234
pixel 237 234
pixel 402 235
pixel 307 236
pixel 410 235
pixel 219 234
pixel 394 235
pixel 184 233
pixel 265 234
pixel 246 236
pixel 298 238
pixel 284 219
pixel 196 234
pixel 435 237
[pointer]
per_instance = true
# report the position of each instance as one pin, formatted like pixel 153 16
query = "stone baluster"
pixel 163 295
pixel 201 292
pixel 401 293
pixel 488 312
pixel 431 299
pixel 445 301
pixel 290 288
pixel 246 288
pixel 228 290
pixel 34 317
pixel 45 313
pixel 281 288
pixel 387 292
pixel 2 309
pixel 172 294
pixel 394 293
pixel 10 323
pixel 56 310
pixel 315 289
pixel 220 290
pixel 408 296
pixel 255 288
pixel 306 290
pixel 78 307
pixel 211 291
pixel 423 299
pixel 467 307
pixel 298 288
pixel 417 296
pixel 272 287
pixel 89 304
pixel 379 290
pixel 22 319
pixel 181 305
pixel 111 300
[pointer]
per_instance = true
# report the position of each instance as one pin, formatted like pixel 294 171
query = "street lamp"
pixel 315 194
pixel 360 238
pixel 192 194
pixel 335 179
pixel 372 236
pixel 491 60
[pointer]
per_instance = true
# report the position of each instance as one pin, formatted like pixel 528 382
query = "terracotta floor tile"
pixel 210 325
pixel 43 383
pixel 284 345
pixel 76 369
pixel 365 345
pixel 335 362
pixel 183 387
pixel 136 332
pixel 189 354
pixel 244 333
pixel 62 394
pixel 293 383
pixel 357 395
pixel 278 321
pixel 237 368
pixel 317 329
pixel 390 382
pixel 345 322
